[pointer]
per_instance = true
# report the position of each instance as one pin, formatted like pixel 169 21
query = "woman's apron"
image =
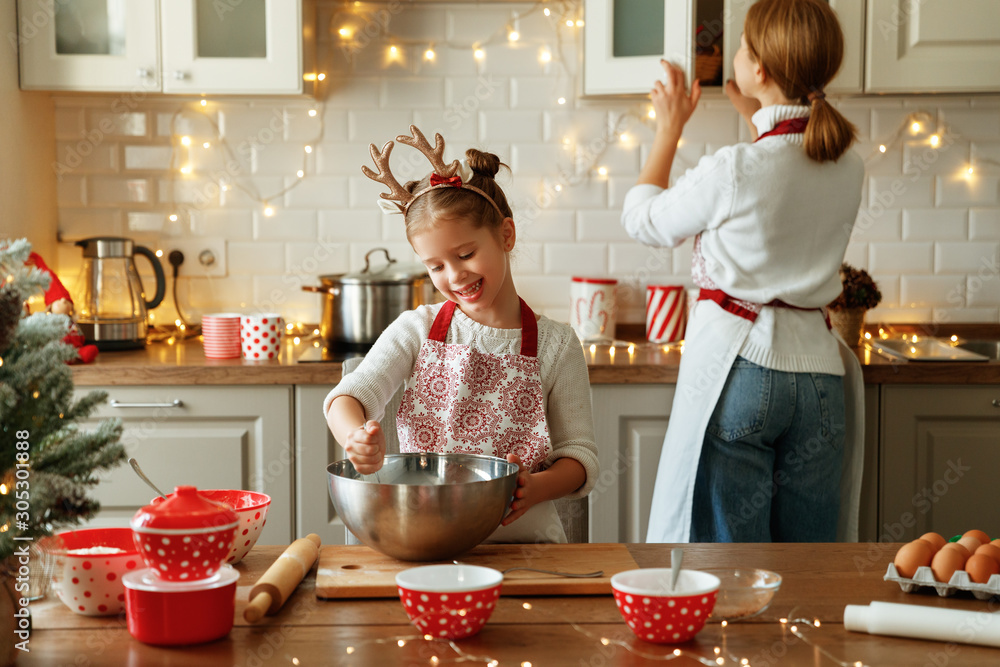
pixel 461 400
pixel 716 331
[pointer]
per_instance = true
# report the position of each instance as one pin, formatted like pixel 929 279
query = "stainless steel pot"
pixel 358 306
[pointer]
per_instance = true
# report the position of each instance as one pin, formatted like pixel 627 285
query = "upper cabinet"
pixel 169 46
pixel 890 46
pixel 933 46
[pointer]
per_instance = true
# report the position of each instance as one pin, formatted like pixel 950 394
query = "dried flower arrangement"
pixel 860 291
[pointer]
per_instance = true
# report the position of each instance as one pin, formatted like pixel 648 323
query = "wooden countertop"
pixel 818 581
pixel 184 363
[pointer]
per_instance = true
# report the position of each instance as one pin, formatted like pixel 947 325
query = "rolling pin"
pixel 271 591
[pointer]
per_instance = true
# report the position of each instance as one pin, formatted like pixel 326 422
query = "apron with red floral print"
pixel 461 400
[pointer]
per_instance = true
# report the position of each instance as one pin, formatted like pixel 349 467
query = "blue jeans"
pixel 770 464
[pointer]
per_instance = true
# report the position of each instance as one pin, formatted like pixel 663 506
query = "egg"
pixel 981 567
pixel 991 550
pixel 979 535
pixel 946 561
pixel 996 542
pixel 934 540
pixel 970 542
pixel 955 546
pixel 917 553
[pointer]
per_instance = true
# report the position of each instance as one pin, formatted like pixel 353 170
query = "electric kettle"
pixel 111 303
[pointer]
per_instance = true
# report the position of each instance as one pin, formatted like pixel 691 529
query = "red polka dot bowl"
pixel 449 601
pixel 251 512
pixel 659 615
pixel 89 566
pixel 186 537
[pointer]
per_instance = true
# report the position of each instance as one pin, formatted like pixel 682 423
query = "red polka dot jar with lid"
pixel 186 537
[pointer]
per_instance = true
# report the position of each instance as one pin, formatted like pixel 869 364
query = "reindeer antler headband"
pixel 454 175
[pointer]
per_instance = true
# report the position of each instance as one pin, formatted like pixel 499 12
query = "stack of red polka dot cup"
pixel 184 541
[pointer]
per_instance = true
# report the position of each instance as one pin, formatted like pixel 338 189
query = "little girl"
pixel 483 373
pixel 761 429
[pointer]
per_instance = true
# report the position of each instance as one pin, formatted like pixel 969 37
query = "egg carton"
pixel 959 581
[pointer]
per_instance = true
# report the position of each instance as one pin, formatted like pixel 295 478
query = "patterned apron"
pixel 461 400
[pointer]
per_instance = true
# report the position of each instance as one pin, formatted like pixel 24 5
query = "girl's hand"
pixel 365 447
pixel 526 494
pixel 746 106
pixel 671 101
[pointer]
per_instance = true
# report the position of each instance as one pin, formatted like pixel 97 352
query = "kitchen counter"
pixel 818 581
pixel 184 363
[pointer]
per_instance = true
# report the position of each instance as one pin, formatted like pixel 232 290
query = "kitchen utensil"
pixel 676 556
pixel 272 589
pixel 657 614
pixel 449 601
pixel 743 593
pixel 110 300
pixel 260 335
pixel 598 573
pixel 251 513
pixel 185 537
pixel 166 613
pixel 666 313
pixel 428 506
pixel 220 333
pixel 361 572
pixel 922 622
pixel 89 566
pixel 138 471
pixel 593 308
pixel 358 306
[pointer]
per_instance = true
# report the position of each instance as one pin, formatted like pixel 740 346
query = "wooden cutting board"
pixel 362 572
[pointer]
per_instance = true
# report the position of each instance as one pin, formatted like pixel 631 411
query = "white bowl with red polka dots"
pixel 251 512
pixel 449 601
pixel 260 336
pixel 659 615
pixel 89 566
pixel 186 537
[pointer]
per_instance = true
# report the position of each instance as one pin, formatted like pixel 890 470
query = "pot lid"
pixel 378 272
pixel 184 509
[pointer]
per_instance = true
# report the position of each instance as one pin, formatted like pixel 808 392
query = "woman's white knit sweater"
pixel 774 224
pixel 563 370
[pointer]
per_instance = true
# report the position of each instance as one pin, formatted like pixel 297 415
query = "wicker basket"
pixel 849 323
pixel 708 64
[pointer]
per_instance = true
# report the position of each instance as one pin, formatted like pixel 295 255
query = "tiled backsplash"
pixel 928 230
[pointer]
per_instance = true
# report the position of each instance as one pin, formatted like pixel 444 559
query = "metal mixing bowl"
pixel 424 507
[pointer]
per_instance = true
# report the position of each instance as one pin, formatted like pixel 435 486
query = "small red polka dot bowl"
pixel 186 537
pixel 89 566
pixel 251 512
pixel 167 613
pixel 659 615
pixel 449 601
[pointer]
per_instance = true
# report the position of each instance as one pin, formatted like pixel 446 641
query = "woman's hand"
pixel 746 106
pixel 365 447
pixel 526 494
pixel 671 101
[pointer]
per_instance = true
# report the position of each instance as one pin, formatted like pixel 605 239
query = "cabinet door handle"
pixel 144 72
pixel 180 75
pixel 996 402
pixel 176 403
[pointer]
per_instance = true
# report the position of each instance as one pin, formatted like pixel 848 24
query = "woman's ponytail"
pixel 828 134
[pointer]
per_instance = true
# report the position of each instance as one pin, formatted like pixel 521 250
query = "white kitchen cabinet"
pixel 219 437
pixel 940 457
pixel 315 449
pixel 625 39
pixel 932 46
pixel 169 46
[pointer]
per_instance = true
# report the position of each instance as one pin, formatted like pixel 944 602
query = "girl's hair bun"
pixel 483 164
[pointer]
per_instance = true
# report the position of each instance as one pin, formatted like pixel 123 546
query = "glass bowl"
pixel 743 593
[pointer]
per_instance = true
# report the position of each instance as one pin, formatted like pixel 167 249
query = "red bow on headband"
pixel 454 181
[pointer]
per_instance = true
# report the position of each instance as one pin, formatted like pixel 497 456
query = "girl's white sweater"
pixel 774 224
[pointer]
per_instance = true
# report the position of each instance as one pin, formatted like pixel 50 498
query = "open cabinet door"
pixel 625 39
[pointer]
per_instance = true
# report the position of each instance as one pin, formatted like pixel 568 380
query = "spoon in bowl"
pixel 578 575
pixel 676 556
pixel 138 471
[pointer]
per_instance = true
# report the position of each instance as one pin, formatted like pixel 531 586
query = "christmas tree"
pixel 47 463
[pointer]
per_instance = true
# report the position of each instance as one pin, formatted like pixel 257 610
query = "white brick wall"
pixel 930 231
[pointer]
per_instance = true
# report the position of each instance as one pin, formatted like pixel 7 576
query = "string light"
pixel 915 127
pixel 206 145
pixel 186 169
pixel 312 113
pixel 544 56
pixel 185 141
pixel 935 140
pixel 159 252
pixel 881 149
pixel 547 12
pixel 300 173
pixel 513 35
pixel 204 103
pixel 308 148
pixel 561 100
pixel 268 211
pixel 479 54
pixel 429 54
